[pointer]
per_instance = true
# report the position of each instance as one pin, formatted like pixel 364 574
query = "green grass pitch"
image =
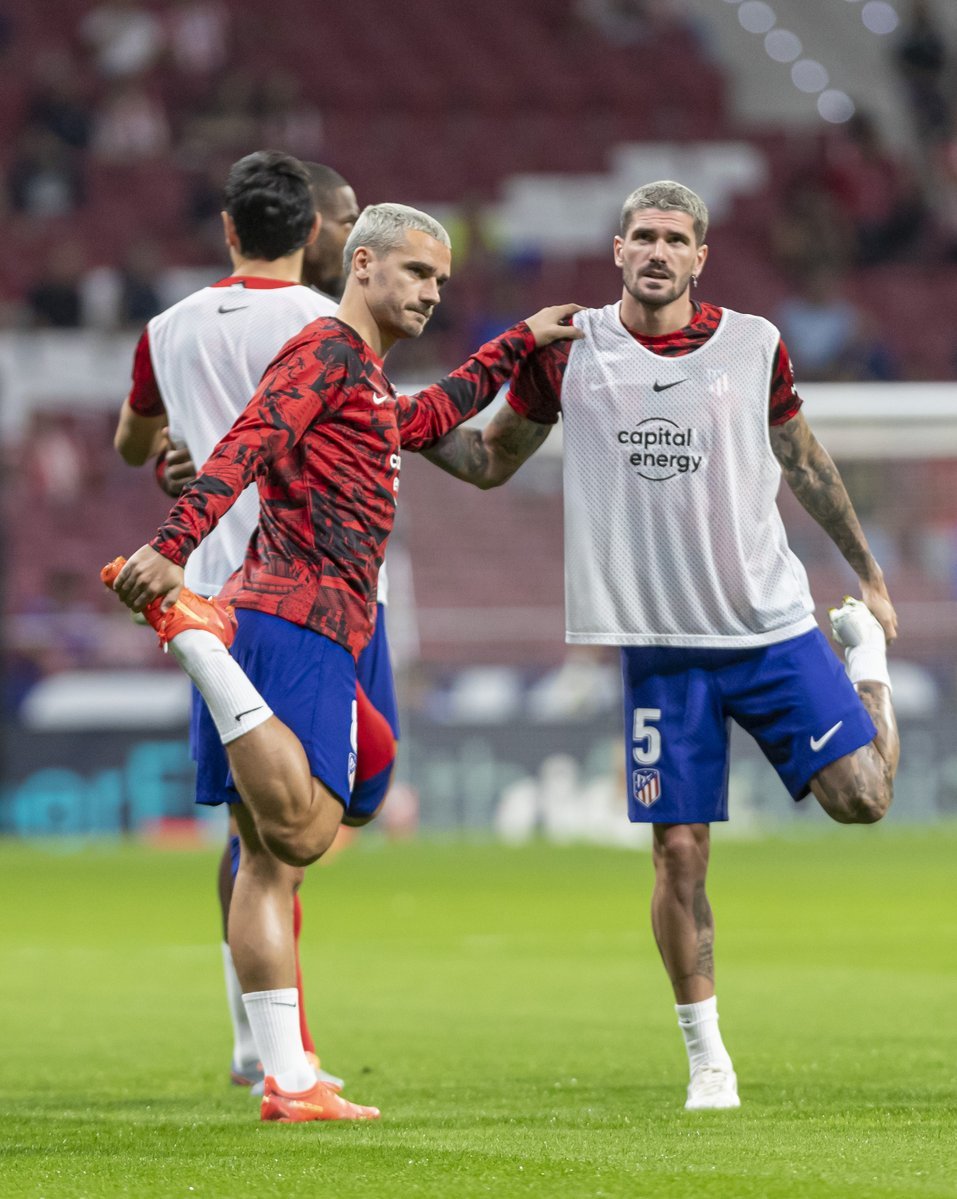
pixel 507 1011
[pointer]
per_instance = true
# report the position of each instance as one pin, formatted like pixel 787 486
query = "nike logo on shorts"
pixel 819 742
pixel 664 386
pixel 238 308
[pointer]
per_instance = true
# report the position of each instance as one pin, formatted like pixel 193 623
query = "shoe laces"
pixel 711 1080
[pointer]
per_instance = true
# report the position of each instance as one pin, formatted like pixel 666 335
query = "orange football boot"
pixel 318 1103
pixel 331 1080
pixel 190 611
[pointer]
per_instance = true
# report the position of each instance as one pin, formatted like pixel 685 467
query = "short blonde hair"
pixel 382 227
pixel 667 196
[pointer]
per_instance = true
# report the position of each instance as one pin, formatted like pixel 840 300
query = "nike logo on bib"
pixel 238 308
pixel 664 386
pixel 819 742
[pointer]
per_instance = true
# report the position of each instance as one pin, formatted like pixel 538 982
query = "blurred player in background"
pixel 322 437
pixel 679 418
pixel 196 366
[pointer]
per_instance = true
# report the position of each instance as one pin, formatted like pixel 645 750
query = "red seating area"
pixel 433 103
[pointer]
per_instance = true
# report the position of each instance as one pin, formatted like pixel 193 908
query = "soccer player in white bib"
pixel 679 419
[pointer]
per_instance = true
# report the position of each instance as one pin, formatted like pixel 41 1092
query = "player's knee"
pixel 680 855
pixel 297 845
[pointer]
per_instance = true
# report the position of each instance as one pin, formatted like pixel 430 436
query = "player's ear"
pixel 701 260
pixel 229 231
pixel 314 231
pixel 618 245
pixel 362 262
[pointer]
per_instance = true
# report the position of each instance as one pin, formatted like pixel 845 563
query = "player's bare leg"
pixel 262 943
pixel 296 816
pixel 859 788
pixel 245 1069
pixel 684 930
pixel 680 913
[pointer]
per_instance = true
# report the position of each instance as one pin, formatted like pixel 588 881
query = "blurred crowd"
pixel 124 115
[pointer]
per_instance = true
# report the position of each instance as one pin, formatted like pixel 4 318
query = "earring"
pixel 694 280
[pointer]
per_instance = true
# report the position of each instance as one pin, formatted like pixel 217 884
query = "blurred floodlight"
pixel 756 16
pixel 809 75
pixel 835 106
pixel 782 45
pixel 880 17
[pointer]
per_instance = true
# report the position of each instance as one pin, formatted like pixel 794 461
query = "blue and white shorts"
pixel 793 697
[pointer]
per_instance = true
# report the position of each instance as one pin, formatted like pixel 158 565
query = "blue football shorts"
pixel 374 671
pixel 309 682
pixel 793 697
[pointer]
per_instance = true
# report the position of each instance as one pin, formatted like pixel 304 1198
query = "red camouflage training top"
pixel 322 438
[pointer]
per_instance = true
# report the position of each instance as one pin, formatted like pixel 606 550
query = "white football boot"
pixel 854 624
pixel 711 1088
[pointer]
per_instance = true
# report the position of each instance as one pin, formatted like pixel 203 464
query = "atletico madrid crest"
pixel 646 786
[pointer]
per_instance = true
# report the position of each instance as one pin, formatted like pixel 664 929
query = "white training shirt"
pixel 672 532
pixel 208 354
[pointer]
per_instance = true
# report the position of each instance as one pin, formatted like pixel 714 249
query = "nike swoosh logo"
pixel 280 1002
pixel 238 308
pixel 664 386
pixel 380 399
pixel 819 742
pixel 248 712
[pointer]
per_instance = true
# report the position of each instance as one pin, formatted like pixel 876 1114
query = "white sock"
pixel 234 703
pixel 868 663
pixel 699 1025
pixel 244 1043
pixel 274 1016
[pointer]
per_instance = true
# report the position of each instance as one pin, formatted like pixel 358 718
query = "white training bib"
pixel 209 353
pixel 672 532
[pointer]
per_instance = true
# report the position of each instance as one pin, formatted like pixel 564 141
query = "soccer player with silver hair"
pixel 322 437
pixel 679 419
pixel 195 367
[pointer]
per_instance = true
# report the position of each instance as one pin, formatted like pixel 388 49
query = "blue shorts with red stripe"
pixel 378 724
pixel 793 697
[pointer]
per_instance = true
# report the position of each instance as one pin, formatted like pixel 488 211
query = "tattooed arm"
pixel 814 479
pixel 489 457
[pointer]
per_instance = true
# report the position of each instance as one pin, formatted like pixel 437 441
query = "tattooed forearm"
pixel 490 457
pixel 815 480
pixel 461 453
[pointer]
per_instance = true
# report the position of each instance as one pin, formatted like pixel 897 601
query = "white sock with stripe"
pixel 274 1017
pixel 234 703
pixel 699 1026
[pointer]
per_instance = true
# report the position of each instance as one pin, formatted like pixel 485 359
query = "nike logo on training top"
pixel 819 742
pixel 380 399
pixel 238 308
pixel 664 386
